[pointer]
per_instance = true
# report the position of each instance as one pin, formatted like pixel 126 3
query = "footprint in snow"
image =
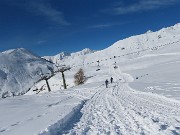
pixel 155 120
pixel 39 115
pixel 30 119
pixel 177 127
pixel 174 132
pixel 2 130
pixel 17 123
pixel 164 127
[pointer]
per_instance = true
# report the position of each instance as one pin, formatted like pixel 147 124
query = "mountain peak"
pixel 149 31
pixel 83 52
pixel 62 55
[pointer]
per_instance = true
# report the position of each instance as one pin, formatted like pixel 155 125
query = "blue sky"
pixel 48 27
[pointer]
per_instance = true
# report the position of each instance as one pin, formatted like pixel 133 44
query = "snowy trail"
pixel 121 110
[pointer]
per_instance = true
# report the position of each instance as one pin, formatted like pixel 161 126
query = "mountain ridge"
pixel 61 56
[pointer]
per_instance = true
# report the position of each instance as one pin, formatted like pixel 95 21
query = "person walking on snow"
pixel 106 82
pixel 111 80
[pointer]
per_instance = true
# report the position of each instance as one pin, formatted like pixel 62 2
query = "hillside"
pixel 132 47
pixel 19 70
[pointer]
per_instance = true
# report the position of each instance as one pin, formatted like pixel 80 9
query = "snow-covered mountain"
pixel 57 57
pixel 19 70
pixel 64 55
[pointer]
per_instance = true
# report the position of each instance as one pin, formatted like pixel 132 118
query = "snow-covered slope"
pixel 131 48
pixel 147 57
pixel 19 70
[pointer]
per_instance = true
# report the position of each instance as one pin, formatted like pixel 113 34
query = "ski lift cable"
pixel 139 51
pixel 146 49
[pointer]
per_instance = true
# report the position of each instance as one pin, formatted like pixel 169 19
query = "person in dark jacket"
pixel 111 80
pixel 106 82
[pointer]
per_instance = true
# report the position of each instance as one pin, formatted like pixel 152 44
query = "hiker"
pixel 106 82
pixel 111 80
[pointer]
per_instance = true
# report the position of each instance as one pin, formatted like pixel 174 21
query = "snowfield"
pixel 144 98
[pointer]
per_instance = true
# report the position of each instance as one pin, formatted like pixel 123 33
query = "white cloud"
pixel 101 26
pixel 45 9
pixel 106 25
pixel 143 5
pixel 41 42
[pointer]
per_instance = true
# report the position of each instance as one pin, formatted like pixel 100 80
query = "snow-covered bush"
pixel 6 94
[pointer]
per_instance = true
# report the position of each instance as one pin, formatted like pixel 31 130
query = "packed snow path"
pixel 122 110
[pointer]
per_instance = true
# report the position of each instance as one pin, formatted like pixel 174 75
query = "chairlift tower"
pixel 46 78
pixel 62 69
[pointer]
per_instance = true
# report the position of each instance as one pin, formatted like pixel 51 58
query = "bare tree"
pixel 79 77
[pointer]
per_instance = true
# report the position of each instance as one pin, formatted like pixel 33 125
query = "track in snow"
pixel 121 110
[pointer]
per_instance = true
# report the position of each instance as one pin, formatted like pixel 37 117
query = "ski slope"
pixel 92 109
pixel 121 110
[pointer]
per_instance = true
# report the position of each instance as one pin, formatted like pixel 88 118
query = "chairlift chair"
pixel 115 66
pixel 98 67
